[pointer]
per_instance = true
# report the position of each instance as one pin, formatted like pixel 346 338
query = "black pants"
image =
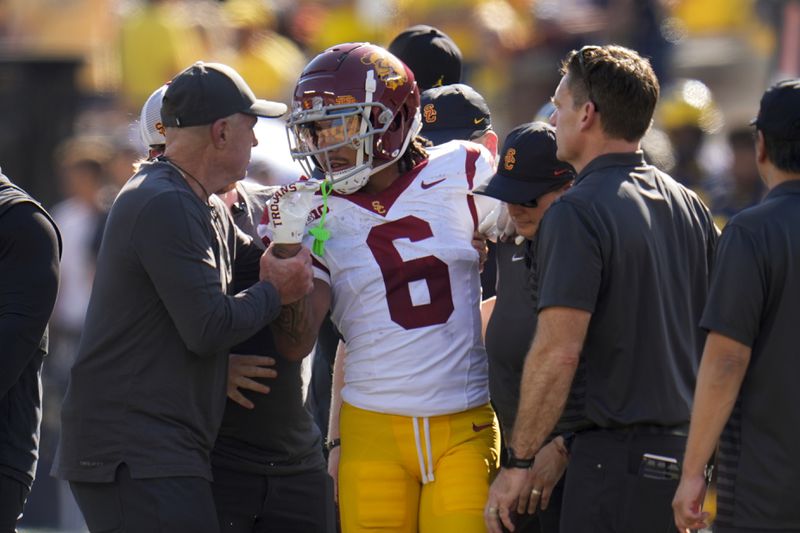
pixel 605 492
pixel 12 499
pixel 253 503
pixel 168 505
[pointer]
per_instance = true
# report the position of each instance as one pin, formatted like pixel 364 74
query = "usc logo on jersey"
pixel 387 68
pixel 429 112
pixel 377 206
pixel 510 159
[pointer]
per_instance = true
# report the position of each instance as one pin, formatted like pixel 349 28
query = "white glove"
pixel 497 224
pixel 505 226
pixel 287 211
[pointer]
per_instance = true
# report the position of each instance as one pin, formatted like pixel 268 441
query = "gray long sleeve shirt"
pixel 148 385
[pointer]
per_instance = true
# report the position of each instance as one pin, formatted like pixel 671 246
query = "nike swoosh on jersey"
pixel 515 258
pixel 431 184
pixel 560 171
pixel 480 427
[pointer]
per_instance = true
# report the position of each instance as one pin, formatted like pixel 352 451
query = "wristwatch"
pixel 510 460
pixel 331 444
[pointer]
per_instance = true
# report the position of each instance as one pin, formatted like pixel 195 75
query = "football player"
pixel 419 440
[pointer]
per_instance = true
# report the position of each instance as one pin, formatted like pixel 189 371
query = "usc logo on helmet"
pixel 429 112
pixel 510 159
pixel 161 129
pixel 388 69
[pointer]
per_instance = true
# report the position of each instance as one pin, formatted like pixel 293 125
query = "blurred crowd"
pixel 713 58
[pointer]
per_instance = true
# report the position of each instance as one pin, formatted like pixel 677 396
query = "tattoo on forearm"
pixel 293 320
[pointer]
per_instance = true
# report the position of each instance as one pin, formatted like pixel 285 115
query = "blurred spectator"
pixel 155 44
pixel 740 186
pixel 79 215
pixel 687 113
pixel 269 61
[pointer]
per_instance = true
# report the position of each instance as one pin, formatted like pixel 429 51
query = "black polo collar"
pixel 626 159
pixel 784 189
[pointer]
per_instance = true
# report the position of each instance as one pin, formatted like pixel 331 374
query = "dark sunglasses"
pixel 585 73
pixel 535 202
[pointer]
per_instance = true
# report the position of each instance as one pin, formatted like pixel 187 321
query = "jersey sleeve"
pixel 483 172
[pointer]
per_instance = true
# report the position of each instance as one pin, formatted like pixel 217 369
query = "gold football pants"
pixel 407 474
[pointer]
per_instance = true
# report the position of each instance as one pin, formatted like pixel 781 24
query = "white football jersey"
pixel 406 289
pixel 405 285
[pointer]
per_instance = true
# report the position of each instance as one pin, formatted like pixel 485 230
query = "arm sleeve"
pixel 738 287
pixel 29 256
pixel 569 259
pixel 175 244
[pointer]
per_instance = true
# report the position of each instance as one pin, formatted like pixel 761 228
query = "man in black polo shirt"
pixel 747 395
pixel 624 258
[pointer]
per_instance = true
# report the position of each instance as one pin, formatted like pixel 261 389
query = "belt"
pixel 681 430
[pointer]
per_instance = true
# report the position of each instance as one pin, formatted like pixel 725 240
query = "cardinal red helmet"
pixel 357 95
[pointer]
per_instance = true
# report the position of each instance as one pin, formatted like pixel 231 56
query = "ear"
pixel 588 115
pixel 220 129
pixel 761 148
pixel 490 141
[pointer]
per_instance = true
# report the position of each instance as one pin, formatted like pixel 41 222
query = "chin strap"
pixel 319 232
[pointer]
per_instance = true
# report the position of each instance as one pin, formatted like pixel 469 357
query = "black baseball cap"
pixel 206 92
pixel 779 113
pixel 528 166
pixel 454 112
pixel 431 55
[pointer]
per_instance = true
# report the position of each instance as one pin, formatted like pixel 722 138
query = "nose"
pixel 553 120
pixel 255 140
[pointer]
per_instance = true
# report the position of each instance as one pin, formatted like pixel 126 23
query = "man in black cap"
pixel 147 391
pixel 623 262
pixel 747 396
pixel 30 247
pixel 529 179
pixel 431 55
pixel 457 111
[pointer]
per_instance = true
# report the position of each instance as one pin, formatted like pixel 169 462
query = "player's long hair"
pixel 414 155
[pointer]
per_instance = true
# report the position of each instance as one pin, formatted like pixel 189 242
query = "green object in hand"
pixel 319 232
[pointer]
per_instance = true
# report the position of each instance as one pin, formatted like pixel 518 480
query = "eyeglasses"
pixel 585 73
